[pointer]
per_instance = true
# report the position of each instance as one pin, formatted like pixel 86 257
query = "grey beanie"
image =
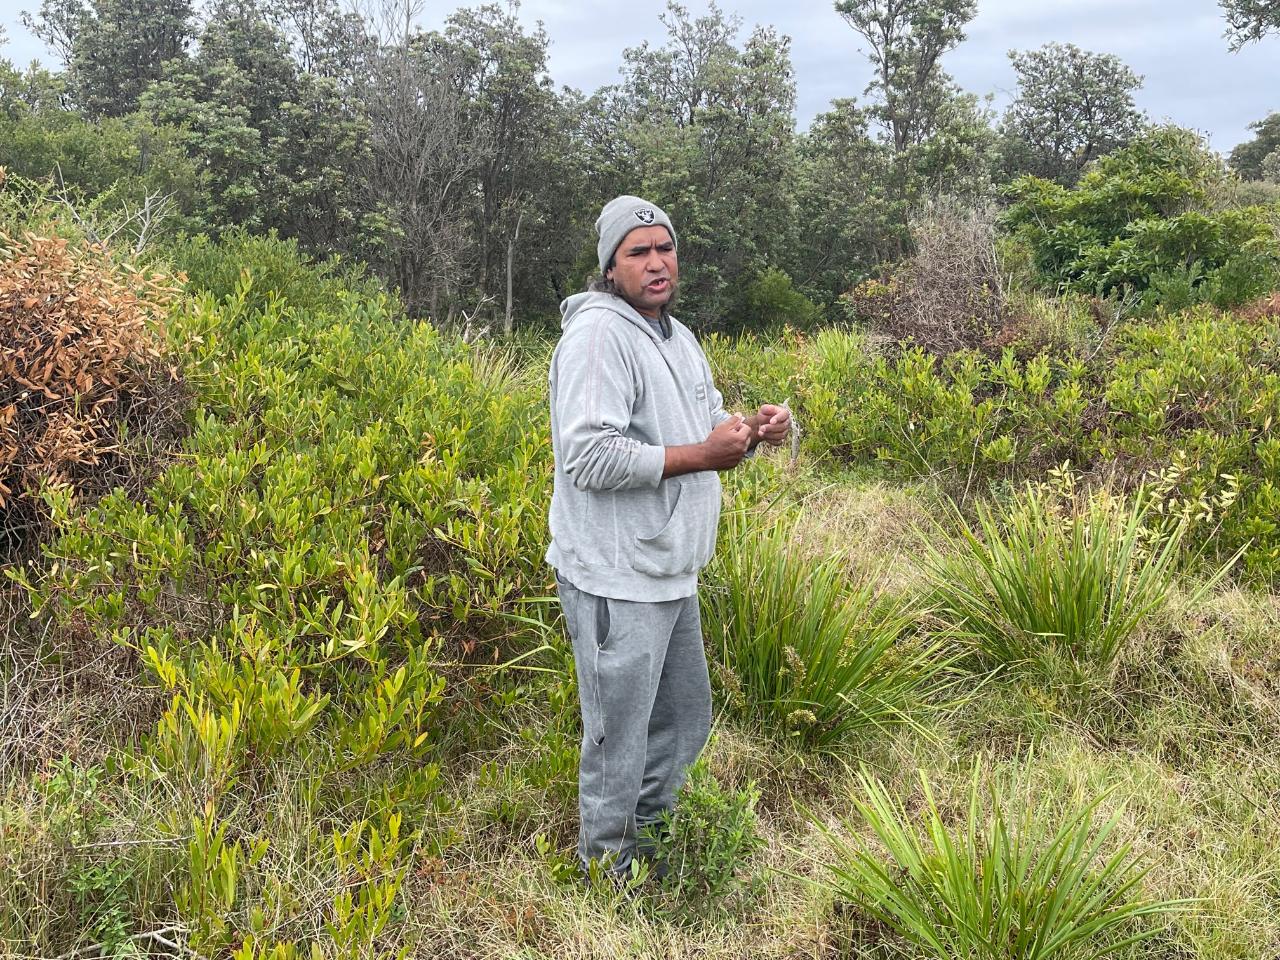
pixel 619 217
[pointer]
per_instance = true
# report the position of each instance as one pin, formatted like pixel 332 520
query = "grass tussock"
pixel 1046 586
pixel 1010 881
pixel 806 652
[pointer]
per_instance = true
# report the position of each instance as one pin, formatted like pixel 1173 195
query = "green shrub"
pixel 359 501
pixel 1132 223
pixel 1201 391
pixel 110 162
pixel 822 375
pixel 1010 881
pixel 1198 389
pixel 705 848
pixel 1048 584
pixel 969 419
pixel 803 651
pixel 276 269
pixel 772 302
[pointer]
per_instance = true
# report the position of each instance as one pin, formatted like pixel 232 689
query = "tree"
pixel 850 225
pixel 501 79
pixel 1248 157
pixel 420 178
pixel 707 130
pixel 907 39
pixel 1250 20
pixel 114 49
pixel 1271 167
pixel 1072 106
pixel 1139 219
pixel 280 148
pixel 941 137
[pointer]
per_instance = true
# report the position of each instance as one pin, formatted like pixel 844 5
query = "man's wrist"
pixel 686 458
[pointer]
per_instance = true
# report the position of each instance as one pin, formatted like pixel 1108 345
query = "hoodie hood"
pixel 574 306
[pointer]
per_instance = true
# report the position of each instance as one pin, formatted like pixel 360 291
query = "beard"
pixel 601 285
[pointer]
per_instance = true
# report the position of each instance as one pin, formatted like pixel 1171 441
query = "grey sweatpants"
pixel 646 713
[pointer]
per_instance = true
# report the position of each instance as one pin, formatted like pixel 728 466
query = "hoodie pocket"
pixel 688 538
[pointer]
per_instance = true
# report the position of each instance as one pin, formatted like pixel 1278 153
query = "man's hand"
pixel 771 424
pixel 723 449
pixel 727 444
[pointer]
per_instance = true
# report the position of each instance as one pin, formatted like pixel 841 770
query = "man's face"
pixel 645 269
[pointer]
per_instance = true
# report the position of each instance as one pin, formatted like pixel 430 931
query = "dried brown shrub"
pixel 1264 308
pixel 80 356
pixel 950 294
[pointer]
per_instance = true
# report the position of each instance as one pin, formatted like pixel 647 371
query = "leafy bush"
pixel 1010 881
pixel 969 419
pixel 358 501
pixel 80 345
pixel 1201 391
pixel 804 651
pixel 822 375
pixel 121 160
pixel 1132 223
pixel 276 268
pixel 1198 389
pixel 1047 584
pixel 772 302
pixel 705 849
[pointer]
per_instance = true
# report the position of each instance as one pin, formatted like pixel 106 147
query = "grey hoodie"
pixel 620 394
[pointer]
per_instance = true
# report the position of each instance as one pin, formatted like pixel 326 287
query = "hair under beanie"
pixel 619 217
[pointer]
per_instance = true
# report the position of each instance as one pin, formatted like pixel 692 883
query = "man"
pixel 639 432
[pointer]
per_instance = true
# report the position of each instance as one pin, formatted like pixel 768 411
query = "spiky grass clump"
pixel 1010 882
pixel 1045 586
pixel 803 650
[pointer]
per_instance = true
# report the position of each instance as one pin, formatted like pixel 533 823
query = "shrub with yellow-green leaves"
pixel 1186 405
pixel 357 505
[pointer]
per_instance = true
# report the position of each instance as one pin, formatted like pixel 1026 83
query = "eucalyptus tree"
pixel 906 40
pixel 501 80
pixel 850 223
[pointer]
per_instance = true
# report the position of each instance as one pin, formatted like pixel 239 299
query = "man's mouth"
pixel 659 285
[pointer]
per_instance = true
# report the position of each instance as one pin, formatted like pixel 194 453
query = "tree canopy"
pixel 1072 106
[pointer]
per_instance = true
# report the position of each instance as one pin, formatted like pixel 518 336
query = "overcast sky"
pixel 1176 45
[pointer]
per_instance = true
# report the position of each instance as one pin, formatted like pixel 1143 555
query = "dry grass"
pixel 63 693
pixel 877 529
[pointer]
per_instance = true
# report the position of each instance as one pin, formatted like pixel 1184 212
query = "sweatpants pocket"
pixel 603 621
